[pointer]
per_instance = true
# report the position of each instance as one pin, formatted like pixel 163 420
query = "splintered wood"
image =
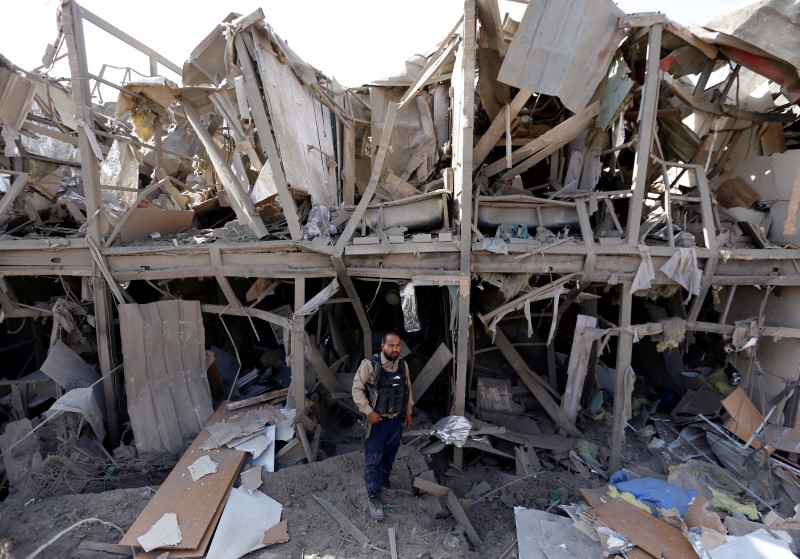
pixel 196 503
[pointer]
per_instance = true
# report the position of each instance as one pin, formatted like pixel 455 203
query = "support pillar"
pixel 72 24
pixel 622 395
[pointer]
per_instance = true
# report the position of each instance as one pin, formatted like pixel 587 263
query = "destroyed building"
pixel 583 224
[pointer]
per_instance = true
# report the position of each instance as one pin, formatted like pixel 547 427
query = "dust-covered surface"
pixel 313 532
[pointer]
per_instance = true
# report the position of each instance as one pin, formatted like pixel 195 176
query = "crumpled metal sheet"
pixel 453 429
pixel 408 302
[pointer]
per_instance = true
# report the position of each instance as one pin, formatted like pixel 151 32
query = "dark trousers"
pixel 380 450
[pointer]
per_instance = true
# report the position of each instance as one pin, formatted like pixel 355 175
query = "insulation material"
pixel 408 302
pixel 453 429
pixel 561 33
pixel 163 346
pixel 120 168
pixel 673 335
pixel 413 154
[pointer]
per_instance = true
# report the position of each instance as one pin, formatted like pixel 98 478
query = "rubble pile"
pixel 583 225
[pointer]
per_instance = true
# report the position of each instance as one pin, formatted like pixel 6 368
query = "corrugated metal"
pixel 563 48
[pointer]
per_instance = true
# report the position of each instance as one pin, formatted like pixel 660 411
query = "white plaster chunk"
pixel 251 479
pixel 201 467
pixel 163 533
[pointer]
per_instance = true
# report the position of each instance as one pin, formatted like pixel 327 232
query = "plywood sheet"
pixel 144 221
pixel 745 417
pixel 648 532
pixel 197 503
pixel 163 345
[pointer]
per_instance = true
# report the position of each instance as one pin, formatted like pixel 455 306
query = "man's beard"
pixel 389 357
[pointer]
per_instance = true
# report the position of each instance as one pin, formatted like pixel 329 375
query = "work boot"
pixel 388 491
pixel 375 508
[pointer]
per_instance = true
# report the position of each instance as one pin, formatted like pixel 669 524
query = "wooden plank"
pixel 369 192
pixel 433 64
pixel 195 503
pixel 324 373
pixel 683 33
pixel 790 224
pixel 352 292
pixel 537 386
pixel 430 371
pixel 452 503
pixel 141 196
pixel 342 520
pixel 392 543
pixel 642 19
pixel 463 125
pixel 578 365
pixel 539 293
pixel 201 549
pixel 498 127
pixel 644 144
pixel 545 145
pixel 261 398
pixel 240 201
pixel 105 548
pixel 97 227
pixel 349 164
pixel 15 190
pixel 654 536
pixel 297 341
pixel 224 284
pixel 491 26
pixel 267 140
pixel 622 397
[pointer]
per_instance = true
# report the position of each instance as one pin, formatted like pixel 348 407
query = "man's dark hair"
pixel 390 333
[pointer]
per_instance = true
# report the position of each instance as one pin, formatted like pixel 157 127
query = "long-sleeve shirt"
pixel 362 378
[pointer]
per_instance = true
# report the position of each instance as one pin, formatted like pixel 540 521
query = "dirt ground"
pixel 313 533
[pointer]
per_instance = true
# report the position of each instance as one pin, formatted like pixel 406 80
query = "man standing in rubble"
pixel 382 392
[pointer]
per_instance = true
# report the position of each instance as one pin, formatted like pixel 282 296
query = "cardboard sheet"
pixel 244 522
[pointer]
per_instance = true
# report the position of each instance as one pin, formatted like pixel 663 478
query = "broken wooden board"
pixel 195 503
pixel 535 384
pixel 144 221
pixel 342 520
pixel 440 358
pixel 578 365
pixel 169 399
pixel 452 503
pixel 654 536
pixel 745 418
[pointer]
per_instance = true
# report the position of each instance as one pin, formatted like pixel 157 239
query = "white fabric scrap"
pixel 646 272
pixel 682 269
pixel 556 299
pixel 202 467
pixel 527 310
pixel 163 533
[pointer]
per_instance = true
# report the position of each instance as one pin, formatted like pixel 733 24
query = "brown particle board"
pixel 654 536
pixel 197 503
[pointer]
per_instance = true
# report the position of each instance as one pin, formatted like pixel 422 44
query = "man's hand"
pixel 374 417
pixel 407 421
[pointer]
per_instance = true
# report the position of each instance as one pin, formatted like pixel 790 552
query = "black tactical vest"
pixel 388 390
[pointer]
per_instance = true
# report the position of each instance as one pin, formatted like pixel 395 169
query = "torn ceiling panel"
pixel 302 126
pixel 563 48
